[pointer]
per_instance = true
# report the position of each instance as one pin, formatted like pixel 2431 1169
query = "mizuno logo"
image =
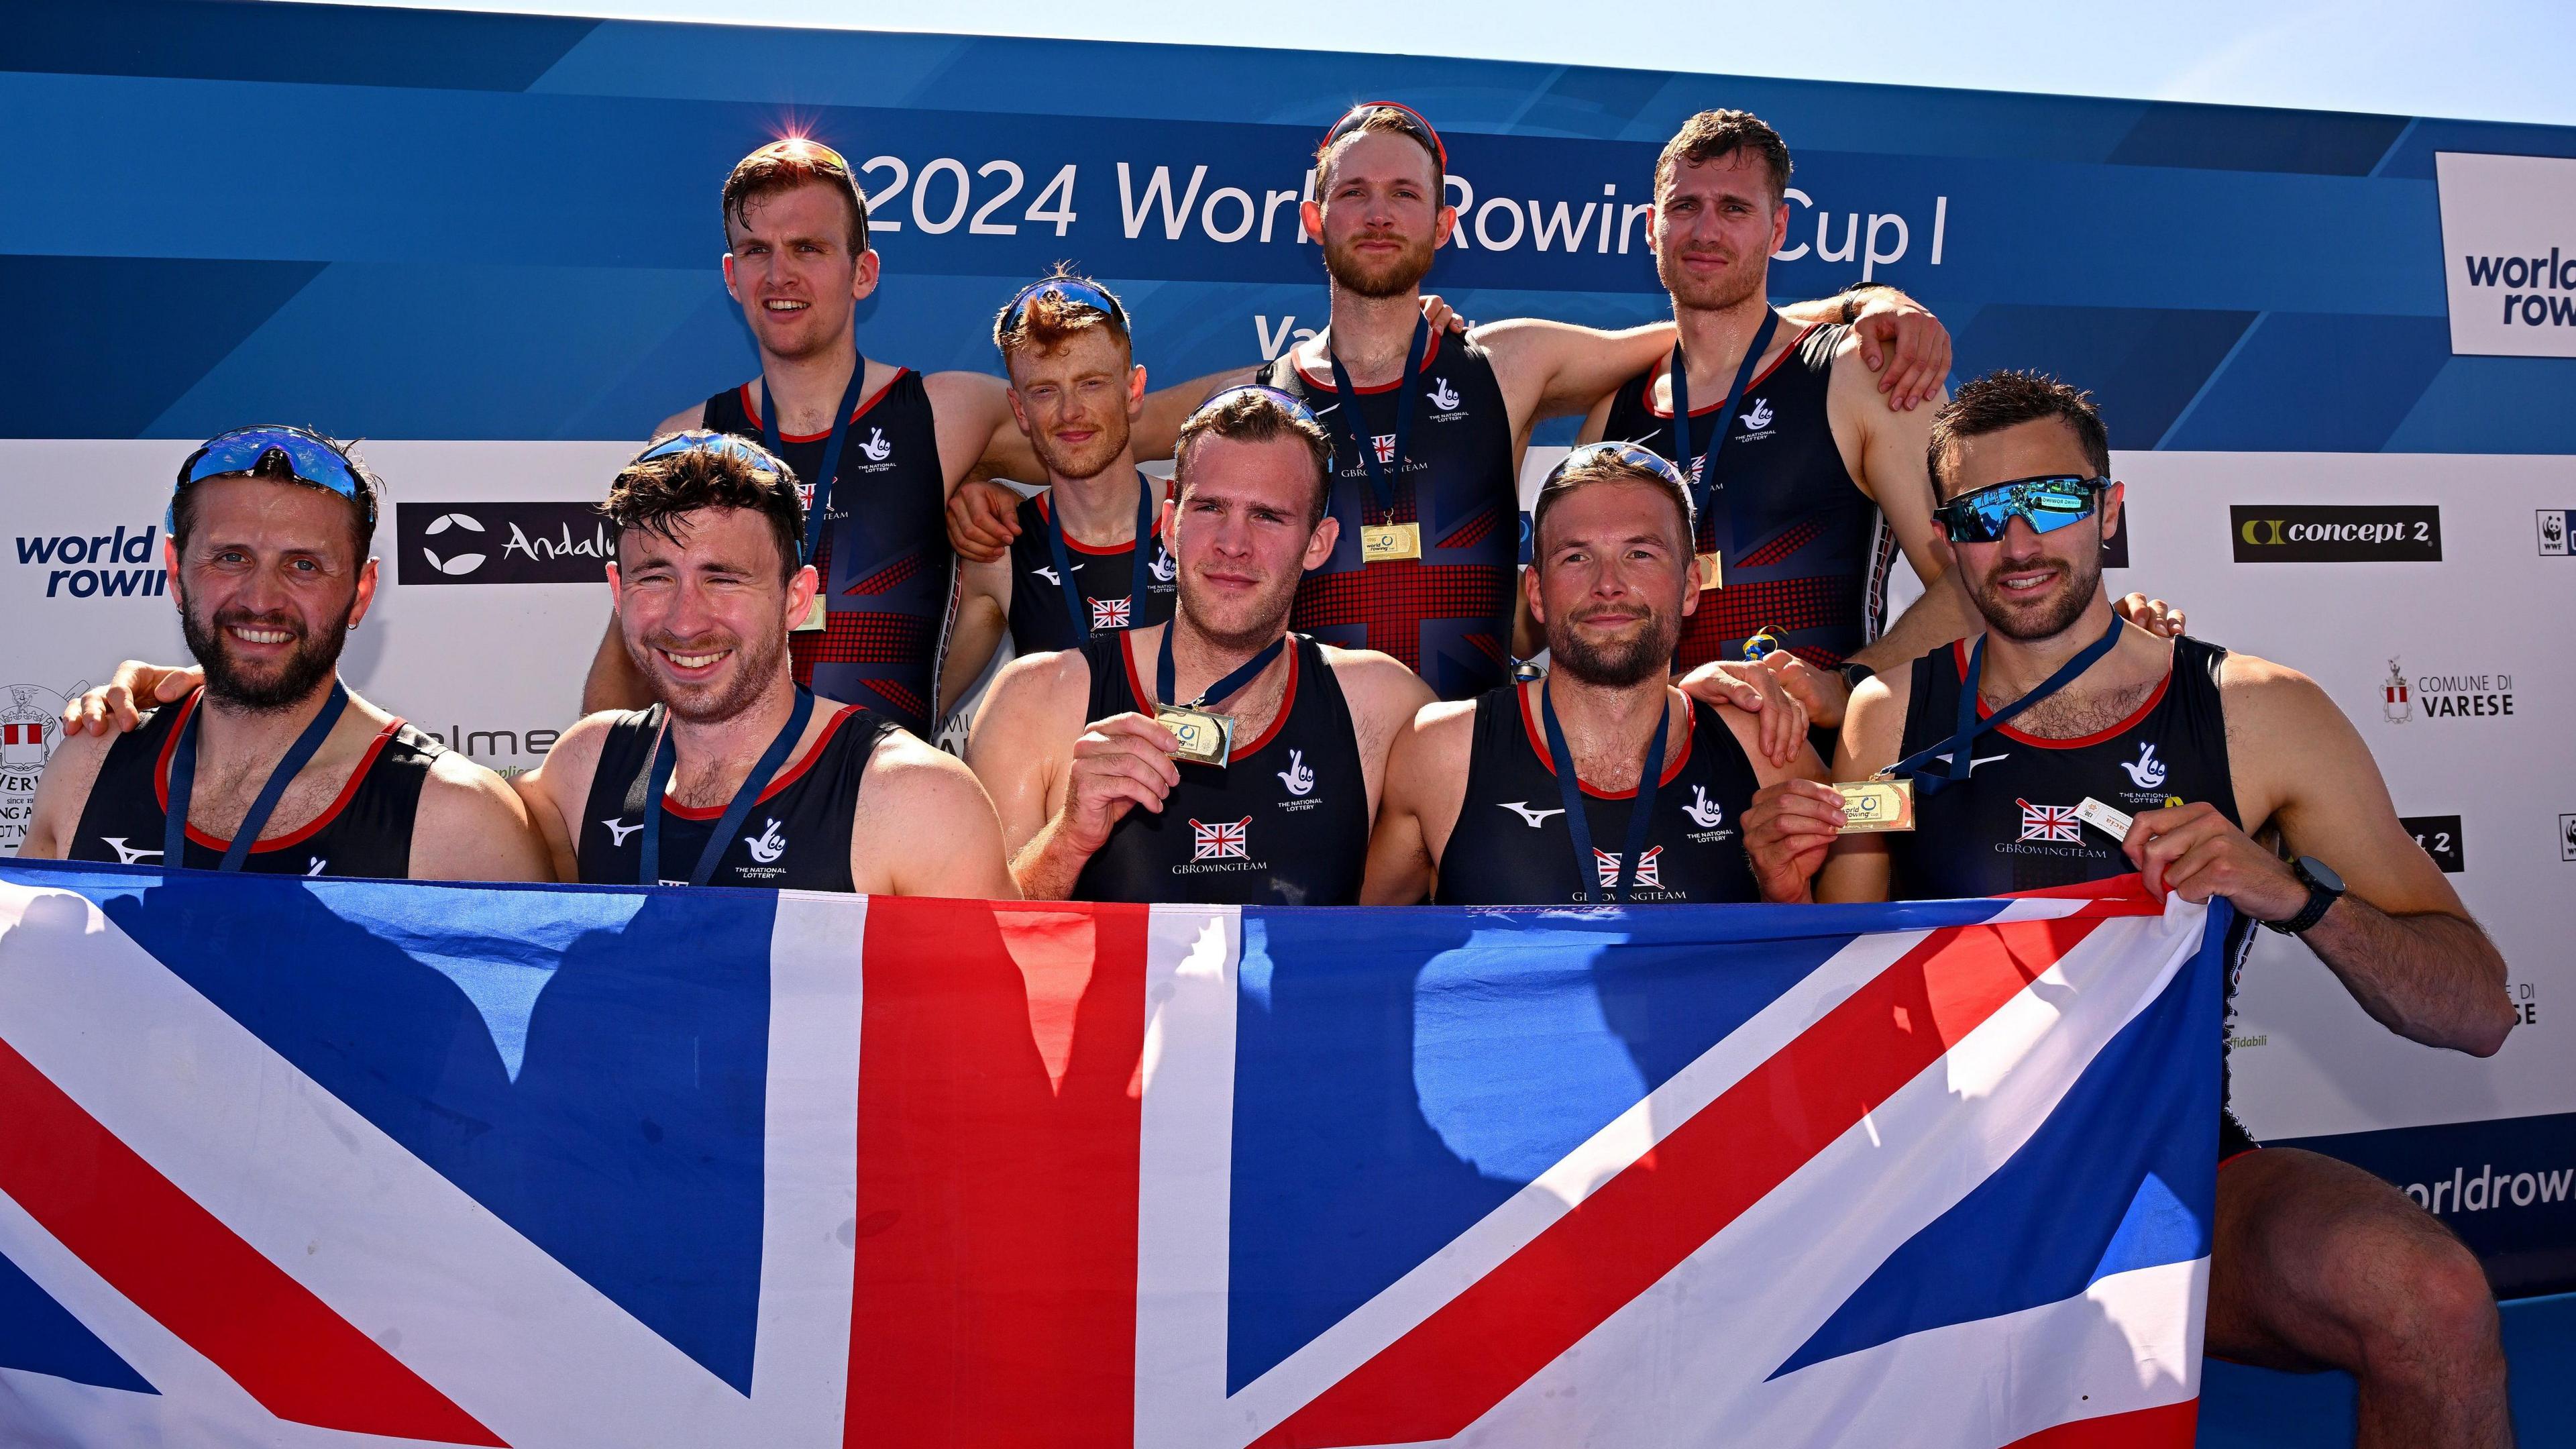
pixel 316 868
pixel 125 854
pixel 1532 818
pixel 618 830
pixel 1051 576
pixel 768 845
pixel 1973 760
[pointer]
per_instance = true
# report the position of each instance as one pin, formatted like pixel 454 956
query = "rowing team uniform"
pixel 1103 576
pixel 797 836
pixel 365 831
pixel 1809 553
pixel 2011 825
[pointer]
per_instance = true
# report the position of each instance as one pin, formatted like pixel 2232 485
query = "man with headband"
pixel 1600 782
pixel 1426 475
pixel 736 775
pixel 1217 758
pixel 2065 746
pixel 271 763
pixel 1086 559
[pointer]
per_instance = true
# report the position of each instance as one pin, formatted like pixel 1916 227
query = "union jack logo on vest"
pixel 2050 822
pixel 1223 840
pixel 1384 443
pixel 1650 868
pixel 1110 613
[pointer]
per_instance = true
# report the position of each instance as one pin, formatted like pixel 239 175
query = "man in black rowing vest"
pixel 735 775
pixel 1087 559
pixel 797 259
pixel 1601 781
pixel 276 765
pixel 1291 735
pixel 1806 484
pixel 2233 768
pixel 1428 428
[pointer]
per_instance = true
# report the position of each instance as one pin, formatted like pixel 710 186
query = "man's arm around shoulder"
pixel 556 791
pixel 472 826
pixel 61 794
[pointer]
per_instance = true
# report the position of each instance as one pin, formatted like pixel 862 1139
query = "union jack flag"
pixel 1384 445
pixel 2050 822
pixel 1650 866
pixel 337 1162
pixel 1223 840
pixel 1109 613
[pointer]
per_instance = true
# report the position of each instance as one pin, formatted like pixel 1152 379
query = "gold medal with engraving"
pixel 1712 570
pixel 813 619
pixel 1870 806
pixel 1382 542
pixel 1206 739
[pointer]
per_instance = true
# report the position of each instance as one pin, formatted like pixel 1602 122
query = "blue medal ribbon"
pixel 1137 570
pixel 820 513
pixel 183 782
pixel 1382 477
pixel 1578 825
pixel 1702 475
pixel 666 757
pixel 1223 689
pixel 1918 766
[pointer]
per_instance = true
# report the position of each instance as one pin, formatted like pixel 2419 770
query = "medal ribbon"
pixel 816 515
pixel 666 756
pixel 1919 767
pixel 1382 478
pixel 1578 825
pixel 183 782
pixel 1136 571
pixel 1706 495
pixel 1223 689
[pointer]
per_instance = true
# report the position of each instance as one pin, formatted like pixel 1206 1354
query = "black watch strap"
pixel 2321 899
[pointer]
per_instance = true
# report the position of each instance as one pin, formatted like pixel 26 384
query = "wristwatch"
pixel 2324 889
pixel 1853 673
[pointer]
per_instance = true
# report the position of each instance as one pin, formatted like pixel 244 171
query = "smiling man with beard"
pixel 1600 781
pixel 278 766
pixel 735 775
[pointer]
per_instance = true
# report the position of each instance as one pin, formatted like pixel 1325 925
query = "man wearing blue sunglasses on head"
pixel 2066 746
pixel 271 763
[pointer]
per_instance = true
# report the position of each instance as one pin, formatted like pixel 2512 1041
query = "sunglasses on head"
pixel 1080 293
pixel 273 449
pixel 1412 124
pixel 2046 504
pixel 1289 400
pixel 1628 453
pixel 695 441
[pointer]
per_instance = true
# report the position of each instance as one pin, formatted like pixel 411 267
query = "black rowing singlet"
pixel 797 836
pixel 365 832
pixel 1285 823
pixel 1448 614
pixel 1810 552
pixel 889 577
pixel 1039 622
pixel 1510 846
pixel 2011 826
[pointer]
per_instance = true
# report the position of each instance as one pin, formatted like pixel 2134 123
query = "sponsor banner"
pixel 501 543
pixel 2509 253
pixel 2507 1187
pixel 2552 526
pixel 2337 533
pixel 2442 839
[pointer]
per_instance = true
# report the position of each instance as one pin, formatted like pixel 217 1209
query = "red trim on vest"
pixel 789 776
pixel 1047 512
pixel 751 409
pixel 1959 671
pixel 1665 364
pixel 1430 355
pixel 1538 746
pixel 302 833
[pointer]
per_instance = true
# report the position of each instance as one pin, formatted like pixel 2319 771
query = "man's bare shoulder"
pixel 1374 672
pixel 905 768
pixel 1442 732
pixel 2262 699
pixel 1034 681
pixel 686 418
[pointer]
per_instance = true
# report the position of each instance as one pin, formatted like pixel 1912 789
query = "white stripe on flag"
pixel 1185 1167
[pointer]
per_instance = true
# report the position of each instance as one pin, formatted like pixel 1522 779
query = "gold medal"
pixel 1380 542
pixel 1870 806
pixel 1206 739
pixel 813 619
pixel 1712 570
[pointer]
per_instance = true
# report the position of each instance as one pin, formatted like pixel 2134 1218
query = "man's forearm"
pixel 1047 868
pixel 613 682
pixel 2433 977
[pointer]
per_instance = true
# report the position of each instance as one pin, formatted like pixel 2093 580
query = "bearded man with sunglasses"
pixel 274 764
pixel 1600 781
pixel 2244 782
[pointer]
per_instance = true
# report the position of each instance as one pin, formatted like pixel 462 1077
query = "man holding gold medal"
pixel 1217 758
pixel 2066 746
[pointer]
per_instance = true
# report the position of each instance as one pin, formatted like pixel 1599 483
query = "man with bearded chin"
pixel 275 765
pixel 1425 476
pixel 1600 781
pixel 1075 745
pixel 736 775
pixel 2232 769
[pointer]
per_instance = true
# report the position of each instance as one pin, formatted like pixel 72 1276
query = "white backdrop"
pixel 482 666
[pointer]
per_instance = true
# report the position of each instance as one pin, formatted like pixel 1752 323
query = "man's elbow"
pixel 2496 1021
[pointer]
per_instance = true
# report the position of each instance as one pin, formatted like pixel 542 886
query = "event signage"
pixel 2440 836
pixel 2509 253
pixel 502 543
pixel 2335 533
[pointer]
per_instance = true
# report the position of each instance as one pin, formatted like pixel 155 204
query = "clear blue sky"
pixel 2501 60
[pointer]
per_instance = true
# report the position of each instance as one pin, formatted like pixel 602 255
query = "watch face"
pixel 2322 873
